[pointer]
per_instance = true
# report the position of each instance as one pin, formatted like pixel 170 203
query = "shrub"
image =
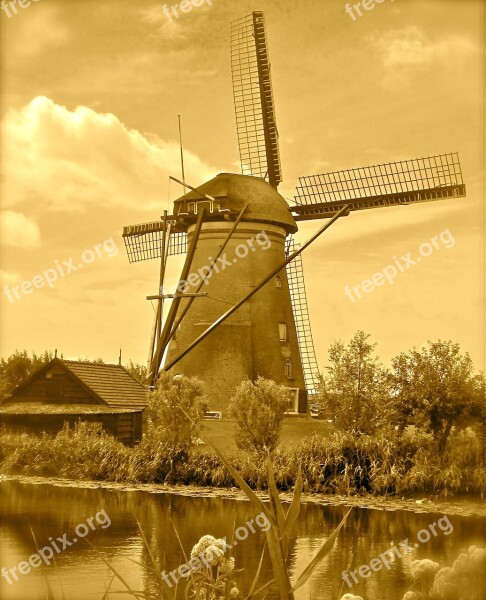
pixel 340 464
pixel 175 409
pixel 259 409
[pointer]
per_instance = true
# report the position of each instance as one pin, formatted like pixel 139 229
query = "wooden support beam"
pixel 163 338
pixel 193 189
pixel 163 265
pixel 160 305
pixel 172 296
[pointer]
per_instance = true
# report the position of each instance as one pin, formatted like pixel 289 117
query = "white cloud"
pixel 7 278
pixel 407 50
pixel 70 160
pixel 39 30
pixel 18 231
pixel 170 30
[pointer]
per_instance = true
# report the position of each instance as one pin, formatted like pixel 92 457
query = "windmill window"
pixel 282 330
pixel 293 401
pixel 288 368
pixel 278 281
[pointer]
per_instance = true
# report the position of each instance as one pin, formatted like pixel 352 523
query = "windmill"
pixel 240 309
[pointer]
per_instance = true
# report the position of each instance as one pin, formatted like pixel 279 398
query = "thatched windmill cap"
pixel 265 204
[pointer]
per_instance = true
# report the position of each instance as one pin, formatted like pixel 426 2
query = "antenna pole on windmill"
pixel 182 151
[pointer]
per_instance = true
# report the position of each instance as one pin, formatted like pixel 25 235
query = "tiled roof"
pixel 37 408
pixel 112 383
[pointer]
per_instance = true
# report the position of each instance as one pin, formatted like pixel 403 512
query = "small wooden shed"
pixel 71 391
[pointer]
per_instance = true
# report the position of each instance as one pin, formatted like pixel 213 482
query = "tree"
pixel 436 389
pixel 175 409
pixel 137 371
pixel 259 408
pixel 17 368
pixel 353 389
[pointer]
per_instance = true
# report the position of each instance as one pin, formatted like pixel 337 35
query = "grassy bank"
pixel 294 430
pixel 333 463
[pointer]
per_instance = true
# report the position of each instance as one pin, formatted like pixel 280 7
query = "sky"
pixel 90 95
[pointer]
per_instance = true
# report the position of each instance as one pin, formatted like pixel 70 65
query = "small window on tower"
pixel 288 368
pixel 278 281
pixel 282 330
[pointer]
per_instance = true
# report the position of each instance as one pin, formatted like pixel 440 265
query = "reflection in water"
pixel 81 574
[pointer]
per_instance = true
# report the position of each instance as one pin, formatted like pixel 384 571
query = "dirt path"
pixel 465 508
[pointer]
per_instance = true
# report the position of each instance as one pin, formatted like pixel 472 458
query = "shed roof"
pixel 36 408
pixel 111 385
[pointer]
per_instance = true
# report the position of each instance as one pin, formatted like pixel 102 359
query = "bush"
pixel 340 464
pixel 83 452
pixel 175 409
pixel 259 409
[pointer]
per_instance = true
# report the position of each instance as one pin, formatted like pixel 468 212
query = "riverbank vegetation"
pixel 415 429
pixel 343 463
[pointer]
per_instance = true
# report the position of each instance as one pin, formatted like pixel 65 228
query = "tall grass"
pixel 339 464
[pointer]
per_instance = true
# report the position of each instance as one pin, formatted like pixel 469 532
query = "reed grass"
pixel 336 464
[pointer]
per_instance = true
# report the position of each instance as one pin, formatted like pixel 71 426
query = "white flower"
pixel 204 542
pixel 227 566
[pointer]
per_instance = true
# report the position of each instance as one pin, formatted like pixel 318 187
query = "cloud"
pixel 18 231
pixel 169 30
pixel 74 160
pixel 40 30
pixel 7 278
pixel 408 50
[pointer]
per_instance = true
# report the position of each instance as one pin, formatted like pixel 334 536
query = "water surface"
pixel 81 574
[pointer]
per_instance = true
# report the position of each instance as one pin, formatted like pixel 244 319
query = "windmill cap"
pixel 265 204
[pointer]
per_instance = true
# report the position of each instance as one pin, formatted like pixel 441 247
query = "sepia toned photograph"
pixel 242 308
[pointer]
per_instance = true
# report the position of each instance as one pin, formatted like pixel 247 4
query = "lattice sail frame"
pixel 404 182
pixel 144 241
pixel 253 98
pixel 300 309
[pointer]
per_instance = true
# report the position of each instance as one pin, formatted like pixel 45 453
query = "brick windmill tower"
pixel 240 308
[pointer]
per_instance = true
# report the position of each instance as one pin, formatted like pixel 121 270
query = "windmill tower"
pixel 240 309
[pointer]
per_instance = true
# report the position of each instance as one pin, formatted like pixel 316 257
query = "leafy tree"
pixel 137 371
pixel 259 408
pixel 436 389
pixel 175 409
pixel 83 359
pixel 17 368
pixel 353 389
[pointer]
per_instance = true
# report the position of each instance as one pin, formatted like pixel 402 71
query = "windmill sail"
pixel 298 296
pixel 253 97
pixel 144 241
pixel 391 184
